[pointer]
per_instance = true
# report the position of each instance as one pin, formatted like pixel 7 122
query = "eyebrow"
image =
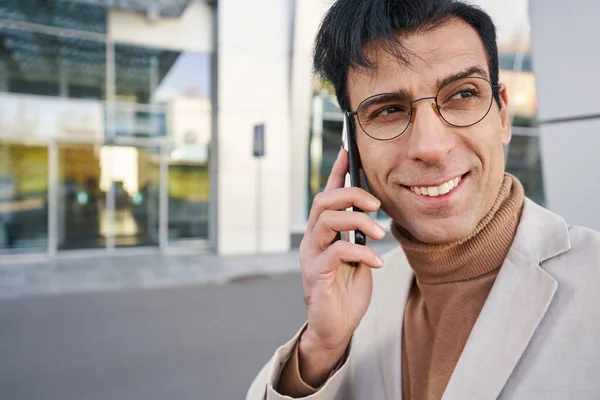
pixel 470 71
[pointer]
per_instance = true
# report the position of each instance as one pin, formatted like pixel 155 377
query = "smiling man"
pixel 488 295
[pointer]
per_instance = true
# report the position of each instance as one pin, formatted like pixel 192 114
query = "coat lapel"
pixel 516 305
pixel 392 287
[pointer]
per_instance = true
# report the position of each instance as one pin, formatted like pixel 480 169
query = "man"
pixel 489 295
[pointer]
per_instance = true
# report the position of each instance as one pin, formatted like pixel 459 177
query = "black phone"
pixel 354 169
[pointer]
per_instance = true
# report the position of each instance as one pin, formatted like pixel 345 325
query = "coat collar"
pixel 514 308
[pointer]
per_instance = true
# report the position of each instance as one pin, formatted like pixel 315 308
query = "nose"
pixel 430 139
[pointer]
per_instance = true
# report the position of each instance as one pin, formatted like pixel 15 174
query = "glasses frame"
pixel 437 107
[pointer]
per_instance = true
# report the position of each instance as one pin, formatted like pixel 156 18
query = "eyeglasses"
pixel 460 103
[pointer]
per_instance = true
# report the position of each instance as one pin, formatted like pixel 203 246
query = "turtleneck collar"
pixel 480 253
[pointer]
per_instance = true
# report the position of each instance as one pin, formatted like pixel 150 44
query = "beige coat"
pixel 537 337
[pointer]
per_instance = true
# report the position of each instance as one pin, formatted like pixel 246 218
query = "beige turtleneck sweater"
pixel 452 283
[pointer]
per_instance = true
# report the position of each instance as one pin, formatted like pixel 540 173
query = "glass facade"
pixel 81 202
pixel 135 180
pixel 188 199
pixel 95 134
pixel 23 198
pixel 82 16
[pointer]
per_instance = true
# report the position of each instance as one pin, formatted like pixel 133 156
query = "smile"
pixel 436 191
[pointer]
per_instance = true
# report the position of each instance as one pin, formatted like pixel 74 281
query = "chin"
pixel 441 234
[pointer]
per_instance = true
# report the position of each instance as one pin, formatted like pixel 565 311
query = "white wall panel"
pixel 307 19
pixel 566 57
pixel 566 62
pixel 571 162
pixel 254 57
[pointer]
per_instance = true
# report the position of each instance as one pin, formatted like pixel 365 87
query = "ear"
pixel 505 117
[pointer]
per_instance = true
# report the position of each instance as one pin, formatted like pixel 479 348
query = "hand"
pixel 336 294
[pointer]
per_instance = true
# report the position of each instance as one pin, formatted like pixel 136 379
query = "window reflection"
pixel 163 93
pixel 152 75
pixel 81 15
pixel 133 174
pixel 517 75
pixel 40 64
pixel 524 161
pixel 189 188
pixel 23 198
pixel 82 202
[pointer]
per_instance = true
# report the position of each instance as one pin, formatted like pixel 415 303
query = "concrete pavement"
pixel 198 342
pixel 145 327
pixel 68 274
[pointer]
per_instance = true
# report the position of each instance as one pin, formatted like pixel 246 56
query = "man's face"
pixel 431 152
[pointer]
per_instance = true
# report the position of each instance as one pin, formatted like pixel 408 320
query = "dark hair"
pixel 349 25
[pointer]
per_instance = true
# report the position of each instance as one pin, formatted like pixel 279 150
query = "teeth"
pixel 445 188
pixel 435 191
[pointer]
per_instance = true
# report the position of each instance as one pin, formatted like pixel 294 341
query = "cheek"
pixel 378 162
pixel 486 142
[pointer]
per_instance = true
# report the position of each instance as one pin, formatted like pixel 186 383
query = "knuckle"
pixel 365 220
pixel 340 248
pixel 318 201
pixel 327 217
pixel 357 192
pixel 336 249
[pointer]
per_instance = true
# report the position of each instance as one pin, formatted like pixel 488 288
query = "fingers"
pixel 337 177
pixel 340 199
pixel 330 223
pixel 345 252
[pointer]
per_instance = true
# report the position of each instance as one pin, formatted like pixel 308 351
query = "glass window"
pixel 524 162
pixel 514 59
pixel 511 61
pixel 36 68
pixel 40 64
pixel 140 120
pixel 163 93
pixel 81 201
pixel 23 198
pixel 189 193
pixel 77 15
pixel 134 176
pixel 151 75
pixel 323 153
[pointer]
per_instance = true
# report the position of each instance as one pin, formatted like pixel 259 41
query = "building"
pixel 127 125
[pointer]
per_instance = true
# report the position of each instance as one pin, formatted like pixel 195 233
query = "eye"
pixel 388 110
pixel 465 94
pixel 391 110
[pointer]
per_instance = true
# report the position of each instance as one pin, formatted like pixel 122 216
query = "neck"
pixel 480 253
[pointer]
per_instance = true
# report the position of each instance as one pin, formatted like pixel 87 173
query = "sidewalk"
pixel 69 275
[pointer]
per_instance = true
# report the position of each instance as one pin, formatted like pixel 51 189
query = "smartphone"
pixel 354 169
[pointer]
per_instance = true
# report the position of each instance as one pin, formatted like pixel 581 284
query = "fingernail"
pixel 379 261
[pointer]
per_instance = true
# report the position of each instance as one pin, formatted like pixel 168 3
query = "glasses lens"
pixel 384 116
pixel 465 102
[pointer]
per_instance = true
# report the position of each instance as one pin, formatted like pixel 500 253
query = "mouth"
pixel 441 190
